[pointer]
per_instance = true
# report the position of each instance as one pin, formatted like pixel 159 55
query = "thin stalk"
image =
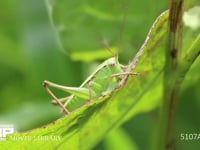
pixel 166 138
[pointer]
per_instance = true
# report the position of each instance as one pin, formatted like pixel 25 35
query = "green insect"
pixel 102 81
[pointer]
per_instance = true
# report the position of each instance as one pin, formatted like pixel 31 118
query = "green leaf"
pixel 118 139
pixel 86 126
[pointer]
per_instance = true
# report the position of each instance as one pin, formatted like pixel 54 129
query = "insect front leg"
pixel 45 84
pixel 123 76
pixel 123 66
pixel 90 90
pixel 124 73
pixel 94 89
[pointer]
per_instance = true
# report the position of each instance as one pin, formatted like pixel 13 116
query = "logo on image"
pixel 5 130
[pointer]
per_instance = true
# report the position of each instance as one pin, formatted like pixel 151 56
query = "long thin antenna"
pixel 104 42
pixel 122 28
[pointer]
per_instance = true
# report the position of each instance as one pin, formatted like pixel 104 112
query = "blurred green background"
pixel 30 54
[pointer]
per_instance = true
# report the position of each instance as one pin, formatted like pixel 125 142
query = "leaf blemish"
pixel 173 53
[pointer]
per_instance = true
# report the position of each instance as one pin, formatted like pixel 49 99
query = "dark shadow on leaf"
pixel 82 119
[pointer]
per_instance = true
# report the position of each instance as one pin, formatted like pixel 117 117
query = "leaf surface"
pixel 92 121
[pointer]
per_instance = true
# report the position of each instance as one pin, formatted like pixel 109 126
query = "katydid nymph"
pixel 101 82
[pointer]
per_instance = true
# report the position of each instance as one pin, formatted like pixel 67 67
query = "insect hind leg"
pixel 90 90
pixel 57 101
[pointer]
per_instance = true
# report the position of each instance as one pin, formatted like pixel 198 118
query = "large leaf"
pixel 84 127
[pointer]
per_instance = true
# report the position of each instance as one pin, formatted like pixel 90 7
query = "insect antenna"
pixel 120 38
pixel 105 43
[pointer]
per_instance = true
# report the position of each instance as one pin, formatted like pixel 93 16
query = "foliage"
pixel 29 55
